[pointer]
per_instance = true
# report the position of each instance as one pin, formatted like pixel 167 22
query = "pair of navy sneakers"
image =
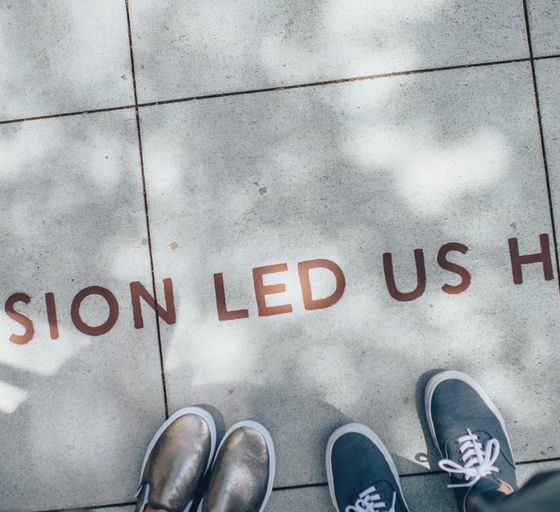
pixel 468 431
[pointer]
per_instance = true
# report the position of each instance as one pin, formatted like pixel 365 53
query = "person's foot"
pixel 471 436
pixel 361 474
pixel 176 460
pixel 243 472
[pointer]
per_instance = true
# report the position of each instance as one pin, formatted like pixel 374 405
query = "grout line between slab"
pixel 271 89
pixel 543 145
pixel 544 57
pixel 537 461
pixel 66 114
pixel 333 82
pixel 145 194
pixel 302 486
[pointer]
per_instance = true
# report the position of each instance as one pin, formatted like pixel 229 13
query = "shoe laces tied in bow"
pixel 371 500
pixel 478 461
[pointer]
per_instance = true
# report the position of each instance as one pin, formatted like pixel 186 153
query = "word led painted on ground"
pixel 139 293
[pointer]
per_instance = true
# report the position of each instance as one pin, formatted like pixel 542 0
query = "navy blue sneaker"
pixel 361 474
pixel 471 436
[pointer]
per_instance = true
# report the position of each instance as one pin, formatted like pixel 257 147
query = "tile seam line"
pixel 543 144
pixel 277 88
pixel 336 81
pixel 68 114
pixel 146 210
pixel 546 57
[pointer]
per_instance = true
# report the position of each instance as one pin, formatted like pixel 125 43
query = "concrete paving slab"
pixel 548 81
pixel 63 56
pixel 544 16
pixel 347 173
pixel 76 410
pixel 185 49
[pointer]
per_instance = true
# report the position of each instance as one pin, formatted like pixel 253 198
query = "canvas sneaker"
pixel 470 434
pixel 361 474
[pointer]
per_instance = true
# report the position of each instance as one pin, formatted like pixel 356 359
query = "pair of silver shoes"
pixel 182 458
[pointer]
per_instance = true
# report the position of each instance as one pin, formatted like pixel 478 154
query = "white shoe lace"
pixel 371 501
pixel 478 462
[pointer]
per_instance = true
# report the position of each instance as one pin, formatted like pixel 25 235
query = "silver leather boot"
pixel 176 460
pixel 243 472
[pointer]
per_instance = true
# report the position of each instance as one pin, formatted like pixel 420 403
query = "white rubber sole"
pixel 271 451
pixel 437 379
pixel 358 428
pixel 183 412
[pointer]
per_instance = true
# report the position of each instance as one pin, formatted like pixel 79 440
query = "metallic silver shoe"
pixel 243 472
pixel 176 460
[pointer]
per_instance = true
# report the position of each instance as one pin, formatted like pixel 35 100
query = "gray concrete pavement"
pixel 464 155
pixel 113 177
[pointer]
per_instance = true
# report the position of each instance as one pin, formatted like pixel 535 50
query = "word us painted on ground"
pixel 446 257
